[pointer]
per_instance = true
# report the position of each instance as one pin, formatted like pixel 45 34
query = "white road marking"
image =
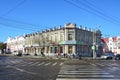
pixel 83 76
pixel 19 69
pixel 61 64
pixel 54 64
pixel 34 63
pixel 82 72
pixel 41 63
pixel 100 64
pixel 47 63
pixel 83 79
pixel 30 62
pixel 92 64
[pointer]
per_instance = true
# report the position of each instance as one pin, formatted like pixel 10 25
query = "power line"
pixel 74 4
pixel 84 9
pixel 100 11
pixel 21 25
pixel 15 7
pixel 20 22
pixel 5 21
pixel 91 10
pixel 91 4
pixel 15 26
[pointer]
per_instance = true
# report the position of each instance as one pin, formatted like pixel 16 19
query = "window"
pixel 70 50
pixel 61 37
pixel 55 49
pixel 61 49
pixel 51 49
pixel 70 37
pixel 118 39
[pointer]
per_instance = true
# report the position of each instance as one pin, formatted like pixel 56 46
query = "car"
pixel 17 53
pixel 107 56
pixel 117 57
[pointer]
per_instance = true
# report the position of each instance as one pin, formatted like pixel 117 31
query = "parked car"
pixel 117 57
pixel 17 53
pixel 107 56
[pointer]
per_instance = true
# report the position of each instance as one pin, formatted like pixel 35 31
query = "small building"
pixel 15 44
pixel 113 44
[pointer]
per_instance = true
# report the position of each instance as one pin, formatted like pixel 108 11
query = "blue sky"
pixel 18 17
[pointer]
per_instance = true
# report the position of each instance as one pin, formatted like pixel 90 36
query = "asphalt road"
pixel 90 70
pixel 17 68
pixel 20 68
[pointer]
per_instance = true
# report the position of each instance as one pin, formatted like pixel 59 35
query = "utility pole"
pixel 94 44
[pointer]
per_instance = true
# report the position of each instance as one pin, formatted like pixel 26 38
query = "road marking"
pixel 86 76
pixel 114 64
pixel 47 63
pixel 83 79
pixel 19 69
pixel 61 64
pixel 89 69
pixel 23 65
pixel 92 64
pixel 88 73
pixel 34 63
pixel 82 72
pixel 30 62
pixel 100 64
pixel 54 64
pixel 41 63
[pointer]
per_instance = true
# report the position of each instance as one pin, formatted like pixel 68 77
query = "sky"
pixel 19 17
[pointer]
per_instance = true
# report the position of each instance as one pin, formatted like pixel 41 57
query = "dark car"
pixel 117 57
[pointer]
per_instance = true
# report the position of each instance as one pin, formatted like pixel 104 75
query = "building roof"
pixel 105 40
pixel 114 39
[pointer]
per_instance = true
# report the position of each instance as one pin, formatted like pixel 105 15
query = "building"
pixel 2 48
pixel 105 46
pixel 69 39
pixel 113 44
pixel 15 44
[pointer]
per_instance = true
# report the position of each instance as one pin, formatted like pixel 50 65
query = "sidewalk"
pixel 49 57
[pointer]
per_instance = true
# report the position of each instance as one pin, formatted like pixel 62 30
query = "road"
pixel 17 68
pixel 90 70
pixel 21 68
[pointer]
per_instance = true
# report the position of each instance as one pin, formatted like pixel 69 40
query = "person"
pixel 73 56
pixel 35 54
pixel 64 55
pixel 79 55
pixel 42 54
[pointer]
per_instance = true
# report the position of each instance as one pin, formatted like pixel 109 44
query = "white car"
pixel 17 53
pixel 107 56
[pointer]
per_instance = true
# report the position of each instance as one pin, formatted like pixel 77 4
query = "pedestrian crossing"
pixel 105 64
pixel 31 63
pixel 83 72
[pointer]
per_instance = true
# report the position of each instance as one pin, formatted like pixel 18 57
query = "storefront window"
pixel 47 49
pixel 56 49
pixel 61 49
pixel 51 49
pixel 70 49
